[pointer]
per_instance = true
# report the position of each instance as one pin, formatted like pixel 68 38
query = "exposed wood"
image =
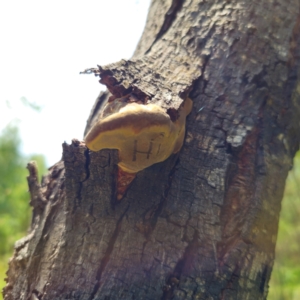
pixel 203 223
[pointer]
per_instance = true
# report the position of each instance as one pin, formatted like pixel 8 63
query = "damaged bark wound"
pixel 203 223
pixel 148 82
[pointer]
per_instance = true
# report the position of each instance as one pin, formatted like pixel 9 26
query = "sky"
pixel 44 46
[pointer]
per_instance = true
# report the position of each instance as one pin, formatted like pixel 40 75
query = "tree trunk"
pixel 203 223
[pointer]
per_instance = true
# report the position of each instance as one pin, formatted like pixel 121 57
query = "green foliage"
pixel 285 281
pixel 14 197
pixel 3 269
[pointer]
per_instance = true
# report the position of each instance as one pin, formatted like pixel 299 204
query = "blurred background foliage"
pixel 15 214
pixel 285 280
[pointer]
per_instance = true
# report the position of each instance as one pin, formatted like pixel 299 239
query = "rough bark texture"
pixel 202 224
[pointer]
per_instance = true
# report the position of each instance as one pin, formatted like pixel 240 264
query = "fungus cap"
pixel 143 134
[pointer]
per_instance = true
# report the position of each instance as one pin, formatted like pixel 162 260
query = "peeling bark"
pixel 203 223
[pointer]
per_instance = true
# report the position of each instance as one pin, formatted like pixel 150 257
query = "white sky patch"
pixel 43 47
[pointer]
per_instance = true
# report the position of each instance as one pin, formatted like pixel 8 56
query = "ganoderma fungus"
pixel 143 134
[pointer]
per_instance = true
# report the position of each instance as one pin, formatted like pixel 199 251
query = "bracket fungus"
pixel 144 134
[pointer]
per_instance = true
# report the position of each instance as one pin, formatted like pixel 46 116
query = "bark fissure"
pixel 169 18
pixel 87 164
pixel 108 252
pixel 150 218
pixel 87 175
pixel 182 266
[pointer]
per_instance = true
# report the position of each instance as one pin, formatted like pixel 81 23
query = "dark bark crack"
pixel 106 257
pixel 87 164
pixel 151 216
pixel 183 266
pixel 87 175
pixel 169 18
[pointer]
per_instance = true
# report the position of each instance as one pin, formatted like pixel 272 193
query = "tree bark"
pixel 203 223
